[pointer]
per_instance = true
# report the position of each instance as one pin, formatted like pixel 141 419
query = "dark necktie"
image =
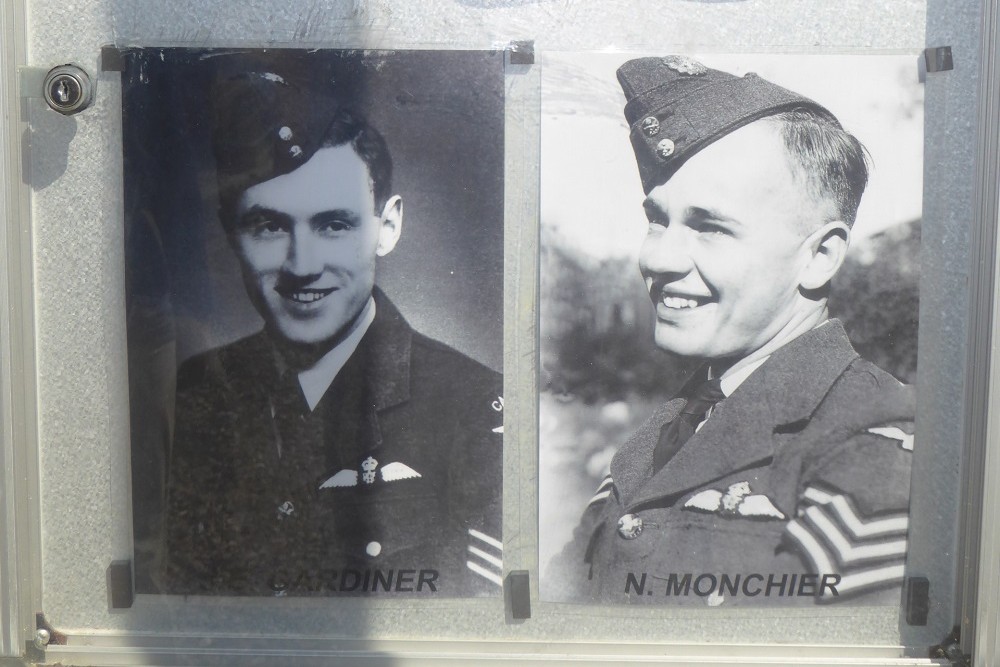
pixel 290 480
pixel 674 434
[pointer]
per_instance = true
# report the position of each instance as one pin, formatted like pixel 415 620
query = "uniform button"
pixel 286 509
pixel 651 126
pixel 285 133
pixel 665 148
pixel 630 526
pixel 278 586
pixel 296 151
pixel 373 549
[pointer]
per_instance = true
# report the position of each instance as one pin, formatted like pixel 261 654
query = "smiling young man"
pixel 780 473
pixel 337 451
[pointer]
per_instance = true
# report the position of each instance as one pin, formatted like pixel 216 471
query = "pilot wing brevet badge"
pixel 737 500
pixel 369 472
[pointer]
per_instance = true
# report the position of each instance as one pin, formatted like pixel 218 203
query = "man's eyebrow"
pixel 696 214
pixel 692 214
pixel 257 209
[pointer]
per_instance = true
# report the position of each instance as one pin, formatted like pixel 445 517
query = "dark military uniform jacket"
pixel 391 485
pixel 795 490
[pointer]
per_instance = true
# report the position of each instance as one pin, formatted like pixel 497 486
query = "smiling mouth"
pixel 305 295
pixel 676 301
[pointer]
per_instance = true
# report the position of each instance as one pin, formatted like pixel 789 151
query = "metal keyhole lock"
pixel 67 89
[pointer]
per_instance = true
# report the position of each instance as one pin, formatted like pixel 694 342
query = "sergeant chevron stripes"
pixel 850 519
pixel 867 553
pixel 848 552
pixel 486 557
pixel 849 583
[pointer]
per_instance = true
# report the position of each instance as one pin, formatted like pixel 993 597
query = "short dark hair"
pixel 832 160
pixel 348 127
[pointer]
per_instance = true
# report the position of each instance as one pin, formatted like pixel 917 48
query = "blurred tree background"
pixel 596 330
pixel 877 296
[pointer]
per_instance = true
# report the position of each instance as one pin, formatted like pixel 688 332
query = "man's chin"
pixel 680 344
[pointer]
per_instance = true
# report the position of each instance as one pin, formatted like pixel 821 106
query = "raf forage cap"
pixel 675 106
pixel 270 120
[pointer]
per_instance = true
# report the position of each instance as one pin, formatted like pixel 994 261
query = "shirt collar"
pixel 731 381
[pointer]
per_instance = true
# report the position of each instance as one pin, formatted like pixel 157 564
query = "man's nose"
pixel 666 251
pixel 304 257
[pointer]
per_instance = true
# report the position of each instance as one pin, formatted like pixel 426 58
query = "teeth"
pixel 307 297
pixel 679 302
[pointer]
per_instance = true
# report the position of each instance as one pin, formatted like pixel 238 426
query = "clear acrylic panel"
pixel 74 511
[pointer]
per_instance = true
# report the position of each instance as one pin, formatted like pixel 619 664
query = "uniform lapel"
pixel 740 434
pixel 632 463
pixel 388 349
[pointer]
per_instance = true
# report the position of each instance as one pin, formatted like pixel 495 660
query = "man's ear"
pixel 827 250
pixel 391 226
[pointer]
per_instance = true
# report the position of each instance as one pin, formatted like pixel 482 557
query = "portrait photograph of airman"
pixel 728 328
pixel 314 303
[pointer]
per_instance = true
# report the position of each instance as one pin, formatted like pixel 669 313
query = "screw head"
pixel 67 89
pixel 42 637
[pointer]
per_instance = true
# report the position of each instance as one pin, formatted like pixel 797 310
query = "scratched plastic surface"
pixel 77 215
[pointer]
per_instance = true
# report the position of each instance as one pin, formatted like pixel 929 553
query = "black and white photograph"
pixel 314 295
pixel 729 268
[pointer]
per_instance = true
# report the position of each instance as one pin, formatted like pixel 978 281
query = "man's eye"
pixel 333 226
pixel 270 226
pixel 262 226
pixel 712 229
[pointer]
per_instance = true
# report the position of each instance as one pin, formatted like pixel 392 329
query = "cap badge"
pixel 665 148
pixel 651 126
pixel 685 65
